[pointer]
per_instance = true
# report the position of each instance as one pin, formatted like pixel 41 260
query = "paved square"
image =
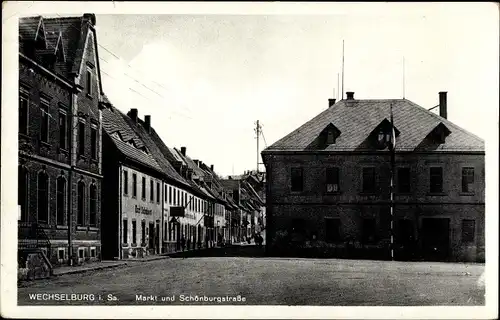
pixel 272 281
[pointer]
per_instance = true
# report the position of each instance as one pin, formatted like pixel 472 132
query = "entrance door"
pixel 405 240
pixel 151 236
pixel 435 236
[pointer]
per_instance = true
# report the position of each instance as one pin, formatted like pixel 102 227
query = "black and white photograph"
pixel 249 160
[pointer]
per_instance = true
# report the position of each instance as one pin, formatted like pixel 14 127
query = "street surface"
pixel 271 281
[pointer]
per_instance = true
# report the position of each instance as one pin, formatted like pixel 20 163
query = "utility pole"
pixel 257 130
pixel 392 149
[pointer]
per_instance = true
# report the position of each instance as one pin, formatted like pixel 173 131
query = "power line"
pixel 137 81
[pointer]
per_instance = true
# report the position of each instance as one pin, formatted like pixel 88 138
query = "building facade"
pixel 132 194
pixel 60 163
pixel 329 182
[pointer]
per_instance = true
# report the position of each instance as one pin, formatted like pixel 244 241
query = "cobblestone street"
pixel 273 281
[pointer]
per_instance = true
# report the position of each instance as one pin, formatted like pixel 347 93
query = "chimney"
pixel 90 17
pixel 147 123
pixel 183 151
pixel 197 162
pixel 331 102
pixel 350 95
pixel 443 111
pixel 212 167
pixel 133 114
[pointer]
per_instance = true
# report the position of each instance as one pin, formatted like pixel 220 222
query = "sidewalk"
pixel 88 267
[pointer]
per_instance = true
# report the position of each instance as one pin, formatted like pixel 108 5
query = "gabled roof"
pixel 357 118
pixel 125 139
pixel 73 31
pixel 152 146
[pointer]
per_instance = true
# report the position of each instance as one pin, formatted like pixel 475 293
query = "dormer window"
pixel 381 136
pixel 439 133
pixel 330 139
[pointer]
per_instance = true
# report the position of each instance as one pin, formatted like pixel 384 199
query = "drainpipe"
pixel 70 178
pixel 120 257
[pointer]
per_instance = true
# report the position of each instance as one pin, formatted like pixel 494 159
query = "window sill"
pixel 94 160
pixel 467 193
pixel 45 144
pixel 81 228
pixel 44 225
pixel 124 244
pixel 93 229
pixel 436 194
pixel 81 157
pixel 61 227
pixel 332 193
pixel 364 193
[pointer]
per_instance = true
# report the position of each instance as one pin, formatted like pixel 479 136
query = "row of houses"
pixel 95 183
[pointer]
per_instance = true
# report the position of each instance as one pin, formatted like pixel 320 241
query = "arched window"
pixel 81 203
pixel 93 205
pixel 60 200
pixel 43 197
pixel 22 191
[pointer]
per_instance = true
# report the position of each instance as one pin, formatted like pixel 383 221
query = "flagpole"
pixel 393 160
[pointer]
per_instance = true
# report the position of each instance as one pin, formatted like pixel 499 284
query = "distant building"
pixel 329 181
pixel 60 167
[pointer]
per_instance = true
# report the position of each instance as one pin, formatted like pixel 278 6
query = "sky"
pixel 206 78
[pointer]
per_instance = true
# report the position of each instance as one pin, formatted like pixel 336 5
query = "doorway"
pixel 151 236
pixel 435 235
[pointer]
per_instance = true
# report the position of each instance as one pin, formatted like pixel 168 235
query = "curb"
pixel 90 269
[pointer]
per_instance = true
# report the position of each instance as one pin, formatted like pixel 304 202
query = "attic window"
pixel 329 135
pixel 439 133
pixel 382 134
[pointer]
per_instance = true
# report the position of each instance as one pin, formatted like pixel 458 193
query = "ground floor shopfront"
pixel 448 232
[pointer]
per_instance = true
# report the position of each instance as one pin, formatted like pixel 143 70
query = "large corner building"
pixel 329 181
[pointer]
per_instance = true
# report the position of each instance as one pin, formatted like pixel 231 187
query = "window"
pixel 125 231
pixel 330 137
pixel 468 230
pixel 332 230
pixel 185 199
pixel 436 180
pixel 81 253
pixel 143 193
pixel 175 198
pixel 60 254
pixel 93 205
pixel 89 82
pixel 332 180
pixel 158 192
pixel 403 182
pixel 143 231
pixel 60 201
pixel 368 180
pixel 125 182
pixel 81 203
pixel 134 232
pixel 63 131
pixel 93 141
pixel 369 231
pixel 151 191
pixel 23 113
pixel 165 193
pixel 44 131
pixel 297 179
pixel 43 197
pixel 22 191
pixel 134 185
pixel 92 252
pixel 467 179
pixel 81 138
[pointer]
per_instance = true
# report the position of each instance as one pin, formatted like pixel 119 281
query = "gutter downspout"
pixel 70 178
pixel 120 257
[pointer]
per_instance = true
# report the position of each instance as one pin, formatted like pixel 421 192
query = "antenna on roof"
pixel 342 69
pixel 337 97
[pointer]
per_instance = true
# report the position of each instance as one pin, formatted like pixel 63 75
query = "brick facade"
pixel 42 85
pixel 313 204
